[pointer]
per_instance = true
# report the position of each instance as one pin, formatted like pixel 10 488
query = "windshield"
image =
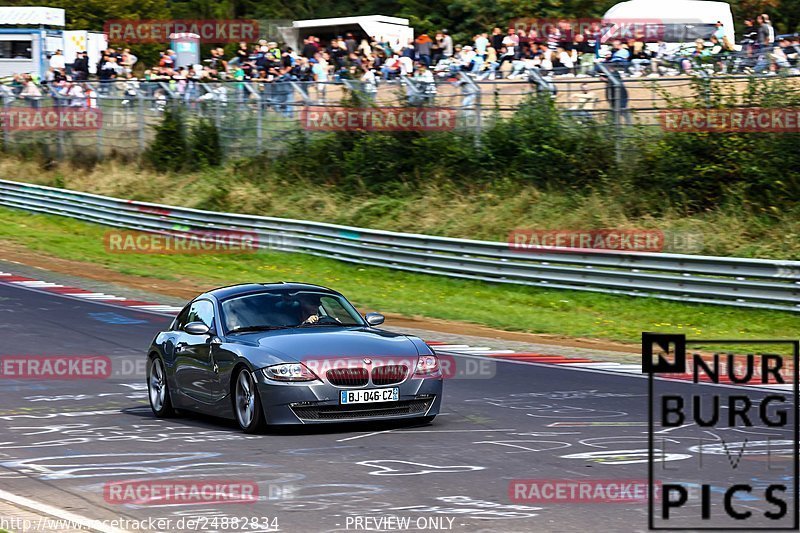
pixel 280 310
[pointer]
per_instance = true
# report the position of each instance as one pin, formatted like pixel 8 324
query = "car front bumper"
pixel 317 402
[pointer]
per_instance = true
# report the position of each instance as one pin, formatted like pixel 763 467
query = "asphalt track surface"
pixel 61 442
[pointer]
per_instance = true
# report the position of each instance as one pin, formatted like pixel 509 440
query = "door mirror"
pixel 375 319
pixel 196 328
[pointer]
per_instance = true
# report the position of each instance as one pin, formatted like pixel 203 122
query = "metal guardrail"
pixel 755 283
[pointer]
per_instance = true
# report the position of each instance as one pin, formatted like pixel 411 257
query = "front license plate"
pixel 347 397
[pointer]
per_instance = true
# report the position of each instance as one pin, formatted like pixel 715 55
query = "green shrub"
pixel 540 145
pixel 206 150
pixel 168 151
pixel 700 171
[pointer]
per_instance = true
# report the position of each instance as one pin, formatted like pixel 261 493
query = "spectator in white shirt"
pixel 57 61
pixel 406 65
pixel 510 42
pixel 76 96
pixel 566 60
pixel 446 44
pixel 369 82
pixel 481 44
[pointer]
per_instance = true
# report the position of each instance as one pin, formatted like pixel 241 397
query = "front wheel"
pixel 158 390
pixel 247 404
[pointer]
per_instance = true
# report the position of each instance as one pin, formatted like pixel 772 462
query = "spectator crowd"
pixel 509 54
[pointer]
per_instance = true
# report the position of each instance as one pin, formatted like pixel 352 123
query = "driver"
pixel 310 310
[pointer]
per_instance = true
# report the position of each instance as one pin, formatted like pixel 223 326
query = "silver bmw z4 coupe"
pixel 289 353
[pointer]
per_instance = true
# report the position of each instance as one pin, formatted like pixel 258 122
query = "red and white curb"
pixel 509 355
pixel 582 363
pixel 75 292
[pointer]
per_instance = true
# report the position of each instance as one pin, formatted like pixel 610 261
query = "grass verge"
pixel 512 308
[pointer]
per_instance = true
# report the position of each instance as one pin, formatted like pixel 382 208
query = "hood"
pixel 331 343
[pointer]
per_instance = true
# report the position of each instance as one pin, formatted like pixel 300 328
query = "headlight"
pixel 427 365
pixel 289 372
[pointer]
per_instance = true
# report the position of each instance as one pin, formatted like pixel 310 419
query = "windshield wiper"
pixel 328 324
pixel 247 329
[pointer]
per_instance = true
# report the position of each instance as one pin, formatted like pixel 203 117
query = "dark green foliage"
pixel 168 150
pixel 173 151
pixel 206 150
pixel 699 171
pixel 543 147
pixel 540 146
pixel 536 145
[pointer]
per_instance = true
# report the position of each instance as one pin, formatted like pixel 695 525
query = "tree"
pixel 168 151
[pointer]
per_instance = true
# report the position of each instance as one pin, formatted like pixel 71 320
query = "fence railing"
pixel 754 283
pixel 253 117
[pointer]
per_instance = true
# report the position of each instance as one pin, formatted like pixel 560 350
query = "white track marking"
pixel 156 307
pixel 398 431
pixel 76 519
pixel 37 284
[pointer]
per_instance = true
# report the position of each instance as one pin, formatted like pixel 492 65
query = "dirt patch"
pixel 189 288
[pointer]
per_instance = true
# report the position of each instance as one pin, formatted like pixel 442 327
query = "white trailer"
pixel 79 41
pixel 683 20
pixel 392 29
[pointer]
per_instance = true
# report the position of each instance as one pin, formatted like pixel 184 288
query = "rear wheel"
pixel 247 404
pixel 158 390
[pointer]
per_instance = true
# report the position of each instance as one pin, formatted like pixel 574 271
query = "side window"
pixel 181 320
pixel 201 311
pixel 334 309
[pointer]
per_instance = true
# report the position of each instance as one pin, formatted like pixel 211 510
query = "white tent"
pixel 695 16
pixel 391 29
pixel 31 16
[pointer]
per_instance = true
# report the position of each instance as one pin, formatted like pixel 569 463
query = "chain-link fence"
pixel 253 116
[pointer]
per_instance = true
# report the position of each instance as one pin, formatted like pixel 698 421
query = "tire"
pixel 247 403
pixel 158 389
